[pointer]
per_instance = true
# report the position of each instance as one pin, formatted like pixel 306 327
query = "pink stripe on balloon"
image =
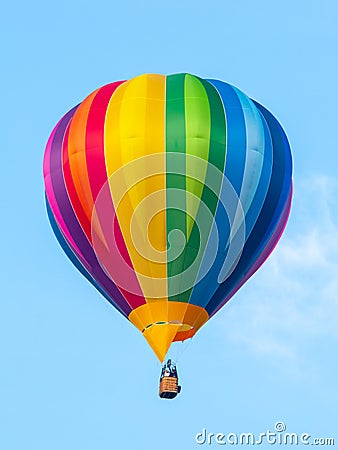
pixel 50 192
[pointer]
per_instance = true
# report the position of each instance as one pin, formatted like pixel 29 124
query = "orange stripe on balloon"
pixel 77 157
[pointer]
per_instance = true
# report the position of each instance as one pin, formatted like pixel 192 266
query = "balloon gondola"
pixel 169 387
pixel 168 193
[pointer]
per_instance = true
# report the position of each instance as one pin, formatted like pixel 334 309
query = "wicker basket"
pixel 168 387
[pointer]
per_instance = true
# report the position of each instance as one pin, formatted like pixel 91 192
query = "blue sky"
pixel 75 374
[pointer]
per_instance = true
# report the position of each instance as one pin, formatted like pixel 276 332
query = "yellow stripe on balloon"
pixel 135 128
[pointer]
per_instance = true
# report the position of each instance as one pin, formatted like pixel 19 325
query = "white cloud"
pixel 293 298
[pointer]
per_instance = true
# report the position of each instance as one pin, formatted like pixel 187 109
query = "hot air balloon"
pixel 168 193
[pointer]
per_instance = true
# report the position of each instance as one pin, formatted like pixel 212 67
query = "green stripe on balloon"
pixel 197 120
pixel 175 180
pixel 209 197
pixel 217 151
pixel 196 126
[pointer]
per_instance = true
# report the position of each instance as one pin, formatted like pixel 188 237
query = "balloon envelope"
pixel 168 193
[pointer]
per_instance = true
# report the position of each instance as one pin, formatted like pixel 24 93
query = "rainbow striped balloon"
pixel 168 193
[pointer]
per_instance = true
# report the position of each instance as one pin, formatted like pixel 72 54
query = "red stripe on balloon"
pixel 72 194
pixel 96 167
pixel 97 176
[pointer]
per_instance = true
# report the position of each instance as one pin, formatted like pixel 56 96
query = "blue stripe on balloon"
pixel 263 185
pixel 236 134
pixel 204 289
pixel 234 170
pixel 252 214
pixel 255 149
pixel 264 255
pixel 270 213
pixel 282 142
